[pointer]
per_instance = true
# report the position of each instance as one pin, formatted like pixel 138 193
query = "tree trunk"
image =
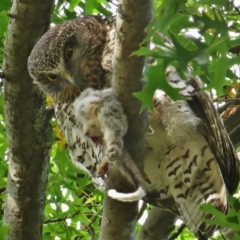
pixel 133 16
pixel 28 128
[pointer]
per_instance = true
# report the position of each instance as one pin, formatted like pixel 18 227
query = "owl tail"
pixel 127 197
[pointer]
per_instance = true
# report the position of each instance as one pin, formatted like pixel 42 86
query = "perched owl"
pixel 190 156
pixel 92 120
pixel 189 159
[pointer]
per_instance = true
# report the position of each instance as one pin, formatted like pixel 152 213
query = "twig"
pixel 142 209
pixel 178 232
pixel 2 75
pixel 11 15
pixel 90 229
pixel 61 219
pixel 228 100
pixel 110 1
pixel 223 108
pixel 222 235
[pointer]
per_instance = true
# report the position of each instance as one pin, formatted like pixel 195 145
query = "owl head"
pixel 67 58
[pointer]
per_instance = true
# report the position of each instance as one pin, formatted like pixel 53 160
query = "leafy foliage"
pixel 69 9
pixel 199 37
pixel 231 220
pixel 4 8
pixel 73 205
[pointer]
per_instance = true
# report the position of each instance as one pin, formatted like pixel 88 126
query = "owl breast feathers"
pixel 189 155
pixel 190 159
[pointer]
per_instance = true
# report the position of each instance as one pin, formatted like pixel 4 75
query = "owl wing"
pixel 201 169
pixel 215 134
pixel 211 127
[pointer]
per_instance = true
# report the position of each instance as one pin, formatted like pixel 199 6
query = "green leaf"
pixel 90 6
pixel 73 4
pixel 231 220
pixel 216 22
pixel 168 11
pixel 3 24
pixel 236 236
pixel 81 217
pixel 69 14
pixel 3 230
pixel 181 22
pixel 1 104
pixel 184 56
pixel 216 2
pixel 5 5
pixel 156 80
pixel 219 67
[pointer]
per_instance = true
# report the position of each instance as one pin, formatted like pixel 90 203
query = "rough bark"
pixel 28 128
pixel 158 225
pixel 133 16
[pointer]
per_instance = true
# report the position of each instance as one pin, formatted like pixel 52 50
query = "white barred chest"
pixel 85 153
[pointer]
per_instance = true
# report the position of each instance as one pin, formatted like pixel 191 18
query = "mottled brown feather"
pixel 214 132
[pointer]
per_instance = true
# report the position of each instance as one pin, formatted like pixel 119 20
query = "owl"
pixel 190 156
pixel 190 159
pixel 90 117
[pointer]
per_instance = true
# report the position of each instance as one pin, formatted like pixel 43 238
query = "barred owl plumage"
pixel 66 64
pixel 195 160
pixel 189 157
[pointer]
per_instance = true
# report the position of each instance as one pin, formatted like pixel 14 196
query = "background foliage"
pixel 204 35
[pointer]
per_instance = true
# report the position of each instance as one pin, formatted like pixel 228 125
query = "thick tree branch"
pixel 28 130
pixel 158 225
pixel 133 16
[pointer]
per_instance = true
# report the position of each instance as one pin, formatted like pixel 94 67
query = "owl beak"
pixel 75 80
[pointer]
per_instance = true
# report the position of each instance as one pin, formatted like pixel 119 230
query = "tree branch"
pixel 132 18
pixel 158 225
pixel 29 132
pixel 62 219
pixel 2 75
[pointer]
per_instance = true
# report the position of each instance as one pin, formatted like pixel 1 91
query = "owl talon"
pixel 152 192
pixel 112 154
pixel 146 178
pixel 102 170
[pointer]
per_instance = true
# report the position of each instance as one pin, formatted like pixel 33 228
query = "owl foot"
pixel 113 153
pixel 102 169
pixel 152 192
pixel 146 178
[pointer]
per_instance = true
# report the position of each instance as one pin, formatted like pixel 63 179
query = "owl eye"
pixel 52 77
pixel 69 52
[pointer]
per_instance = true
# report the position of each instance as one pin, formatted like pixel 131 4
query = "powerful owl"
pixel 189 159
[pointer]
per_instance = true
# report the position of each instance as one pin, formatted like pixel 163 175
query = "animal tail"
pixel 127 197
